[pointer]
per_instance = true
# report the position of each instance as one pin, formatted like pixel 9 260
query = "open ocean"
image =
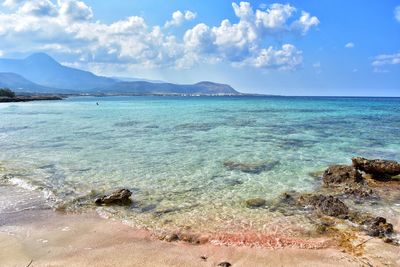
pixel 174 153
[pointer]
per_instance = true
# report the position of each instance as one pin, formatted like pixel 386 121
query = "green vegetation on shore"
pixel 6 92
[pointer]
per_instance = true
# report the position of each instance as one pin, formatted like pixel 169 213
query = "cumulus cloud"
pixel 75 10
pixel 349 45
pixel 66 27
pixel 178 18
pixel 38 8
pixel 305 22
pixel 287 57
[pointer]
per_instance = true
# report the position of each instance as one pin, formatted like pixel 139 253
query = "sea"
pixel 191 161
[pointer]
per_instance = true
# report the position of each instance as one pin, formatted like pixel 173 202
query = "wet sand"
pixel 36 235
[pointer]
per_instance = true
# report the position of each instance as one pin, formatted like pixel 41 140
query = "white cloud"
pixel 178 18
pixel 66 28
pixel 75 10
pixel 305 22
pixel 386 59
pixel 286 58
pixel 397 13
pixel 12 3
pixel 38 8
pixel 349 45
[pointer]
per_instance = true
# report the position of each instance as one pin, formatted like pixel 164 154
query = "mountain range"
pixel 40 73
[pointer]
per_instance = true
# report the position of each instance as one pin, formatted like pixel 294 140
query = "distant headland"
pixel 41 74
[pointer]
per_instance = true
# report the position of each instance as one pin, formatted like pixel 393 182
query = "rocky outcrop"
pixel 329 205
pixel 119 197
pixel 338 175
pixel 378 168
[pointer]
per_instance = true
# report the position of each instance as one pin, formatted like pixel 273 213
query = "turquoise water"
pixel 170 151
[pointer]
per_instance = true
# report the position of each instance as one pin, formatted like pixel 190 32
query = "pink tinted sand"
pixel 48 238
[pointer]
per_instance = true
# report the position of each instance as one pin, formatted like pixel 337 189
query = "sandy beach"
pixel 39 236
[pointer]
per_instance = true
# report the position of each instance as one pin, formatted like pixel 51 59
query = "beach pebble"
pixel 255 202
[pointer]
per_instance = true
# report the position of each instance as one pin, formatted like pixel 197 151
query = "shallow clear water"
pixel 170 151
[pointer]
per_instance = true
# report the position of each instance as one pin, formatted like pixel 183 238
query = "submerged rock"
pixel 225 264
pixel 378 227
pixel 119 197
pixel 379 168
pixel 254 168
pixel 337 175
pixel 255 203
pixel 329 205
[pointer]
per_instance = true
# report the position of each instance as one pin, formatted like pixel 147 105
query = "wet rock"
pixel 329 205
pixel 337 175
pixel 119 197
pixel 377 167
pixel 360 192
pixel 378 227
pixel 233 182
pixel 253 168
pixel 255 203
pixel 225 264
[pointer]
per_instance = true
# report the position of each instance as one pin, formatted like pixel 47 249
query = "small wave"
pixel 9 179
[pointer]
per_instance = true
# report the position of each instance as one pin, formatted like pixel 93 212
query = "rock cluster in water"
pixel 378 168
pixel 350 181
pixel 340 182
pixel 119 197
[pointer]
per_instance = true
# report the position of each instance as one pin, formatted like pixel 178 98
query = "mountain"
pixel 21 85
pixel 131 79
pixel 42 69
pixel 141 87
pixel 40 73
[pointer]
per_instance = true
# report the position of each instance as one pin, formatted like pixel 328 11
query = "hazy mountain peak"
pixel 41 58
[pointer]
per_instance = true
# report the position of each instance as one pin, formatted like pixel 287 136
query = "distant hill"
pixel 21 85
pixel 42 69
pixel 141 87
pixel 40 73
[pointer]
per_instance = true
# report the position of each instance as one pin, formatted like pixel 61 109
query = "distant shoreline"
pixel 30 98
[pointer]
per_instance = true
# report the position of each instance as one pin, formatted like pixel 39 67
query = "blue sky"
pixel 275 47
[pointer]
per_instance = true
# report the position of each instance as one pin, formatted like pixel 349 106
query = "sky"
pixel 294 47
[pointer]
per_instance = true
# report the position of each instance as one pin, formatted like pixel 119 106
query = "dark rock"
pixel 378 227
pixel 255 203
pixel 225 264
pixel 329 205
pixel 119 197
pixel 254 168
pixel 377 167
pixel 337 175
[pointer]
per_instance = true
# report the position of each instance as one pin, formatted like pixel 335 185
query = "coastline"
pixel 30 98
pixel 38 235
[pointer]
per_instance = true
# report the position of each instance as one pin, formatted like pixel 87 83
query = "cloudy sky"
pixel 293 47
